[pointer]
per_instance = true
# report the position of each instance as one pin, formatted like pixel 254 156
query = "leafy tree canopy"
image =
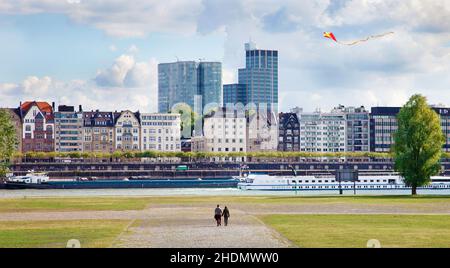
pixel 418 142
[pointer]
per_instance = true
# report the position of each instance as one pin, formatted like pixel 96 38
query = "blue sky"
pixel 67 50
pixel 104 54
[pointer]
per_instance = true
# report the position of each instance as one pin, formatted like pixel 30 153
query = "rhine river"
pixel 196 192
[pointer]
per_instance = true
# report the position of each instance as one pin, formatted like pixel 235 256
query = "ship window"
pixel 306 181
pixel 320 180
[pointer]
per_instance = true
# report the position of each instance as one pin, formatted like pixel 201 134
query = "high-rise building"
pixel 68 129
pixel 260 77
pixel 210 83
pixel 234 93
pixel 189 82
pixel 161 132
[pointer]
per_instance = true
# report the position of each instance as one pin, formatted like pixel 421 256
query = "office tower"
pixel 234 93
pixel 210 83
pixel 260 77
pixel 189 82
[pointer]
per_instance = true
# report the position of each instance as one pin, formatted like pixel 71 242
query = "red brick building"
pixel 38 127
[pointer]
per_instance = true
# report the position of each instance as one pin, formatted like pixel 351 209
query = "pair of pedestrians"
pixel 218 214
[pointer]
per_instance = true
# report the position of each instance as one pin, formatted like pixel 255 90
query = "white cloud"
pixel 125 85
pixel 33 85
pixel 134 18
pixel 313 71
pixel 133 49
pixel 126 72
pixel 228 76
pixel 115 75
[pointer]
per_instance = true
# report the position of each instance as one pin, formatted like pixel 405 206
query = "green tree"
pixel 8 142
pixel 418 143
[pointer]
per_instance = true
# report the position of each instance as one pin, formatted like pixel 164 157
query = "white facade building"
pixel 223 131
pixel 323 132
pixel 262 132
pixel 127 131
pixel 161 132
pixel 68 129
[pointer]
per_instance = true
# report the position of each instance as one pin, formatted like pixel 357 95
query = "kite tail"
pixel 366 39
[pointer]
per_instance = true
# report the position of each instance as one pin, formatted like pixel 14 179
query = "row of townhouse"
pixel 346 129
pixel 42 128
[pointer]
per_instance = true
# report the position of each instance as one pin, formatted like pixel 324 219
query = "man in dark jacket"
pixel 218 215
pixel 226 215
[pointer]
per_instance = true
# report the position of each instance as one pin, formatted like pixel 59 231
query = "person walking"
pixel 218 215
pixel 226 215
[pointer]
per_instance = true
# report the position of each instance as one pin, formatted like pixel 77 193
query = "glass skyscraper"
pixel 210 83
pixel 259 77
pixel 187 81
pixel 234 93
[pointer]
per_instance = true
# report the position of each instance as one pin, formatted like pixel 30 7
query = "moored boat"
pixel 330 182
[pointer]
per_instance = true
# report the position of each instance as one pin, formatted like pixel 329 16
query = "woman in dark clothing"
pixel 226 215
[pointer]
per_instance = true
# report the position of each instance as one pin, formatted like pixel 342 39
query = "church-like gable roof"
pixel 45 108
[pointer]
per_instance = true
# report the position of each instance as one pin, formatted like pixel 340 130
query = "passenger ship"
pixel 329 182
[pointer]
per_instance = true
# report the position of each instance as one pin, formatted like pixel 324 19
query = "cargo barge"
pixel 41 181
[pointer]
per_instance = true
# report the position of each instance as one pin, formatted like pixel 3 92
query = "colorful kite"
pixel 330 35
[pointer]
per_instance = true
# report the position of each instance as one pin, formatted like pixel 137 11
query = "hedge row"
pixel 200 155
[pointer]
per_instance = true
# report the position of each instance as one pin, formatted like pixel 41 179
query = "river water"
pixel 196 192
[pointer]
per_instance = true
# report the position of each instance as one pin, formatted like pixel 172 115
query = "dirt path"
pixel 253 209
pixel 192 225
pixel 195 227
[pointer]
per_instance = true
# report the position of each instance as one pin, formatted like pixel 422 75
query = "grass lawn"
pixel 355 230
pixel 55 234
pixel 387 200
pixel 71 204
pixel 138 203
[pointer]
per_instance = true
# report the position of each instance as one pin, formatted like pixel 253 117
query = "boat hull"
pixel 335 187
pixel 111 184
